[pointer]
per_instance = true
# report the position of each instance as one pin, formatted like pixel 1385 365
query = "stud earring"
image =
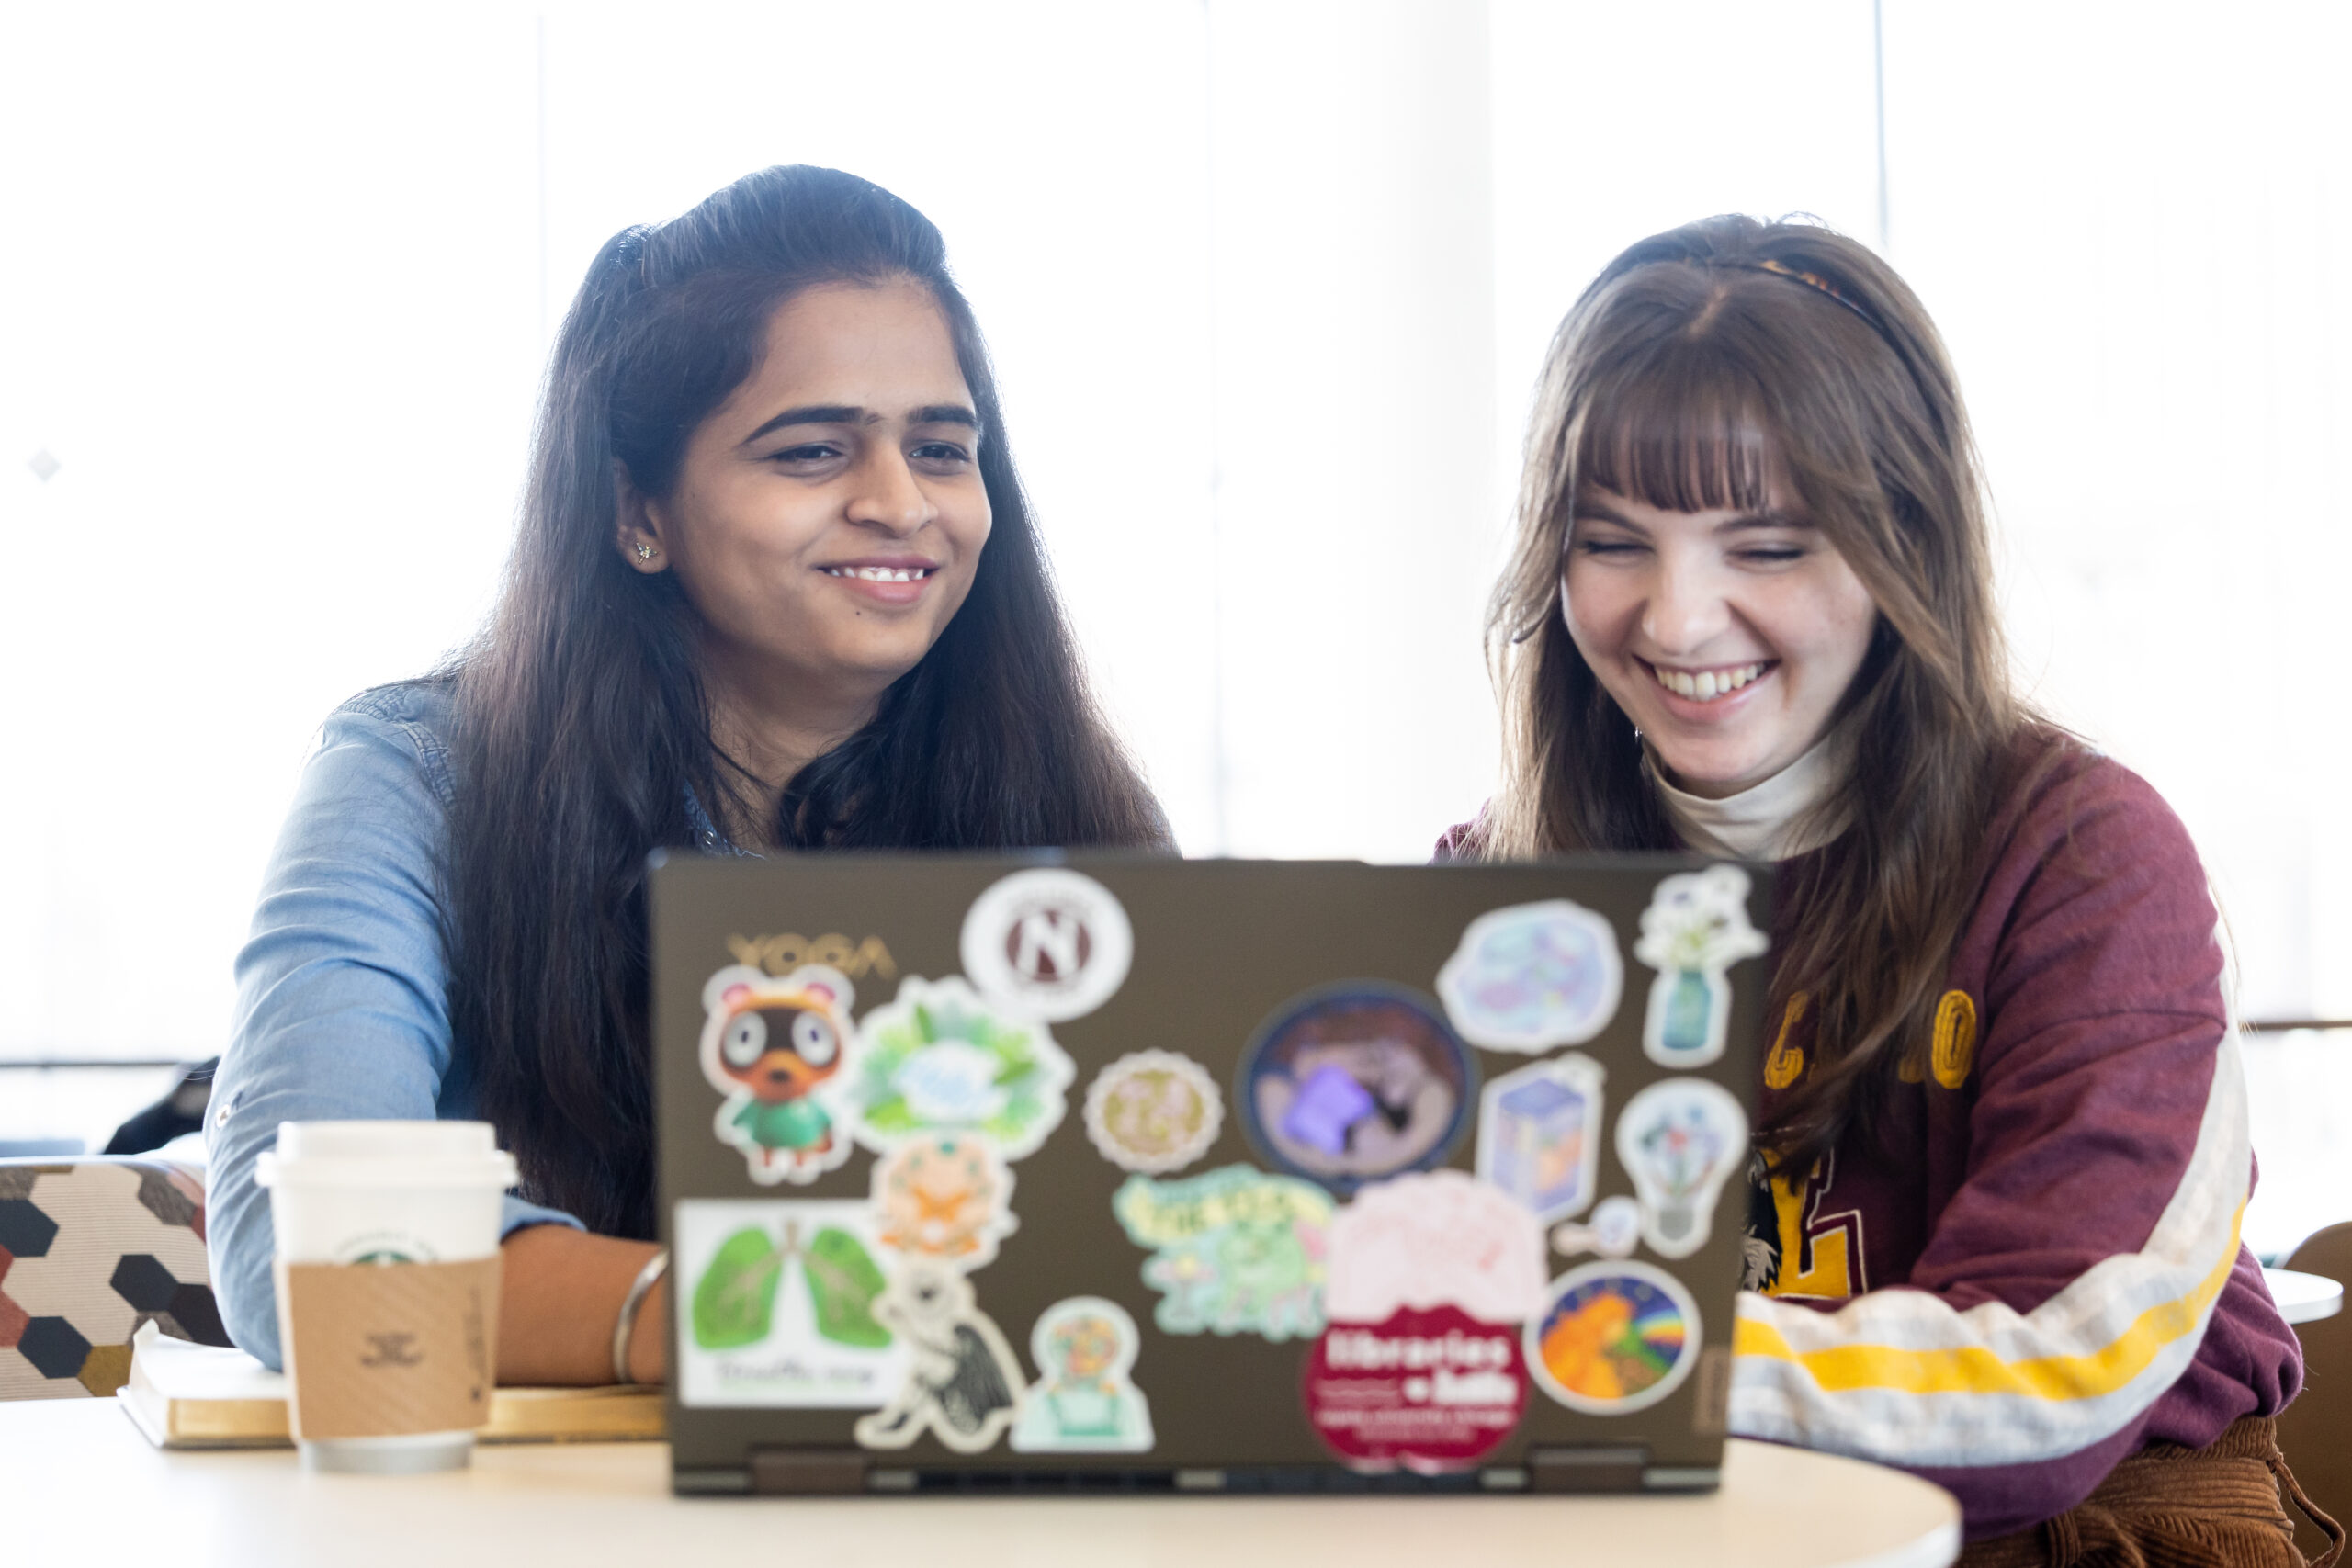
pixel 644 550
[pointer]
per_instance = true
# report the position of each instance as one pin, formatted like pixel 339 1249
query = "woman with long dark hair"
pixel 2003 1149
pixel 775 587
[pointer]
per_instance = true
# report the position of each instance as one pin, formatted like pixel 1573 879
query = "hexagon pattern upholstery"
pixel 90 1249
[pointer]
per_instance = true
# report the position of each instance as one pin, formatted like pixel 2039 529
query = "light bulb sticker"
pixel 962 1385
pixel 776 1046
pixel 947 1197
pixel 1680 1140
pixel 1439 1239
pixel 776 1301
pixel 1084 1400
pixel 1613 1229
pixel 941 1058
pixel 1048 943
pixel 1533 976
pixel 1695 928
pixel 1353 1082
pixel 1539 1133
pixel 1153 1112
pixel 1234 1251
pixel 1614 1338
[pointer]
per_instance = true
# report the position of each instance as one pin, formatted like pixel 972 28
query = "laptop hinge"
pixel 1591 1468
pixel 803 1472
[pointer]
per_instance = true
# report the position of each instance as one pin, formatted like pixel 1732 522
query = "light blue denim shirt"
pixel 343 987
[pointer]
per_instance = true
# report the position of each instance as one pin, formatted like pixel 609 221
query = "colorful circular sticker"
pixel 1153 1112
pixel 1048 943
pixel 1355 1082
pixel 1533 976
pixel 1617 1336
pixel 1430 1390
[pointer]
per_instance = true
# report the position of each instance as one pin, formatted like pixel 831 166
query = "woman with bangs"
pixel 2003 1149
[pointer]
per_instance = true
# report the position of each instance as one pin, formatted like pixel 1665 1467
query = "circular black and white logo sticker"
pixel 1050 942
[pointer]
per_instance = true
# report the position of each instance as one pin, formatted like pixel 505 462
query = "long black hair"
pixel 583 728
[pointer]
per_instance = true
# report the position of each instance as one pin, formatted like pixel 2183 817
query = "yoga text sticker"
pixel 777 1298
pixel 1429 1390
pixel 1539 1133
pixel 1613 1230
pixel 1533 976
pixel 1695 928
pixel 1084 1400
pixel 1440 1238
pixel 962 1383
pixel 1048 943
pixel 1616 1337
pixel 1680 1140
pixel 941 1059
pixel 1153 1112
pixel 1234 1251
pixel 771 1045
pixel 1355 1082
pixel 944 1196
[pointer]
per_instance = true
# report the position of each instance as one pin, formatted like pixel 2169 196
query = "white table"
pixel 82 1486
pixel 2304 1297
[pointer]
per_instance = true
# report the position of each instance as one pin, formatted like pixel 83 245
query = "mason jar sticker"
pixel 1696 927
pixel 1050 942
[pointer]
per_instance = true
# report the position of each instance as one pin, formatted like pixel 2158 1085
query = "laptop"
pixel 1105 1172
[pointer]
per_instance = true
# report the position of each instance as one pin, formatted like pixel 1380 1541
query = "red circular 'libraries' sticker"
pixel 1430 1390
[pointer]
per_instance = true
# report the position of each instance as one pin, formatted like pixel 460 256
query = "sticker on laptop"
pixel 1049 943
pixel 941 1058
pixel 1153 1112
pixel 1234 1251
pixel 1613 1229
pixel 962 1383
pixel 1680 1140
pixel 773 1047
pixel 778 1298
pixel 1696 927
pixel 1354 1082
pixel 1429 1390
pixel 944 1196
pixel 1085 1400
pixel 1533 976
pixel 1539 1133
pixel 1614 1338
pixel 1438 1238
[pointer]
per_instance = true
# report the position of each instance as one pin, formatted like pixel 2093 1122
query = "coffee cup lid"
pixel 436 1154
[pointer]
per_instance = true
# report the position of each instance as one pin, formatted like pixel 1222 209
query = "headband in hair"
pixel 1814 280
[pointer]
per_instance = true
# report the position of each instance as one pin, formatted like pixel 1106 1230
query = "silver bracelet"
pixel 625 1326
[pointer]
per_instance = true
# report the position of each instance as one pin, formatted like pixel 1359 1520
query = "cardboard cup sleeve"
pixel 387 1350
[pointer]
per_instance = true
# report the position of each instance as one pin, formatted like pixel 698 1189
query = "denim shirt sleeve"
pixel 341 988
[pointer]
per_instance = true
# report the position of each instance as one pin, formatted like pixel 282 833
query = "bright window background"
pixel 1268 284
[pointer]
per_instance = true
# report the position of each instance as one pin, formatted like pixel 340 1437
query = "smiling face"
pixel 827 520
pixel 1728 636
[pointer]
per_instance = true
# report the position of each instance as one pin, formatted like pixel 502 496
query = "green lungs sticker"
pixel 735 1300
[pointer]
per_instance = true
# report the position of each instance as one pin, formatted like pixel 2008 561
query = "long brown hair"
pixel 1698 360
pixel 582 728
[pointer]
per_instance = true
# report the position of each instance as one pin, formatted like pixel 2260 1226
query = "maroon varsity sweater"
pixel 2047 1273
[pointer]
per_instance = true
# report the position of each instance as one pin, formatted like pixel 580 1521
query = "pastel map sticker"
pixel 772 1044
pixel 1153 1112
pixel 1680 1140
pixel 777 1299
pixel 941 1059
pixel 1440 1238
pixel 1539 1133
pixel 1616 1337
pixel 1430 1390
pixel 944 1196
pixel 1533 976
pixel 1234 1251
pixel 962 1384
pixel 1613 1230
pixel 1696 927
pixel 1084 1400
pixel 1353 1082
pixel 1049 943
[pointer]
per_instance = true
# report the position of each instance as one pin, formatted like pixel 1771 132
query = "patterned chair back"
pixel 90 1248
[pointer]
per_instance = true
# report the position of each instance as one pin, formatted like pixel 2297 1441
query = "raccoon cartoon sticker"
pixel 770 1044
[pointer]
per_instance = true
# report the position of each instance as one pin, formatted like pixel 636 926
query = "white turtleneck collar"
pixel 1764 822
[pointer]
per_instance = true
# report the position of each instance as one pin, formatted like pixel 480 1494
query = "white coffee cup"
pixel 384 1192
